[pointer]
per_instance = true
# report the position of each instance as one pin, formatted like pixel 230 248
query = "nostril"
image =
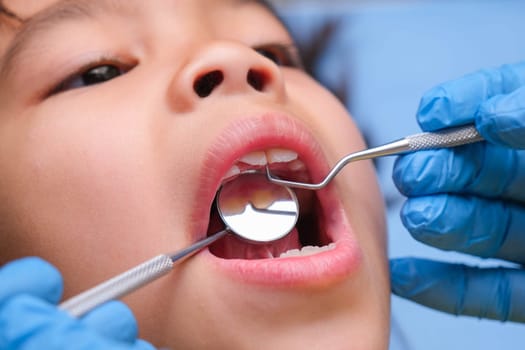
pixel 256 79
pixel 205 84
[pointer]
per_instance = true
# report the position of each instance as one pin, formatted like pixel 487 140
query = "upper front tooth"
pixel 274 155
pixel 254 158
pixel 279 155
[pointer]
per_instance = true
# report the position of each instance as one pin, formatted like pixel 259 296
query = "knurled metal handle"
pixel 439 139
pixel 118 286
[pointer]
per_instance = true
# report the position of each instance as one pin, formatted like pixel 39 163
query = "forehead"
pixel 28 8
pixel 37 14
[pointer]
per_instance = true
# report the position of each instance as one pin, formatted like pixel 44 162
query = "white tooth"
pixel 280 155
pixel 234 170
pixel 291 252
pixel 254 158
pixel 308 250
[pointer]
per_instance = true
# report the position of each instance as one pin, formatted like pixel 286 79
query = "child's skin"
pixel 97 178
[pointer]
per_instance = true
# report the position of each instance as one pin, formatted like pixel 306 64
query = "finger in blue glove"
pixel 470 225
pixel 33 276
pixel 480 169
pixel 501 119
pixel 29 318
pixel 114 320
pixel 29 323
pixel 494 293
pixel 456 102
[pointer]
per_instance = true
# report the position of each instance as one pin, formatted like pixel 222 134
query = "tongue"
pixel 232 247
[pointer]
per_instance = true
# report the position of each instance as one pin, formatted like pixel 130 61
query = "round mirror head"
pixel 256 209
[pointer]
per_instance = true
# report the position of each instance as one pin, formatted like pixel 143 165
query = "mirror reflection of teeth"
pixel 262 199
pixel 233 205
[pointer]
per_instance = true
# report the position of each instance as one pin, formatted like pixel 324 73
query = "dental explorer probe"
pixel 253 209
pixel 445 138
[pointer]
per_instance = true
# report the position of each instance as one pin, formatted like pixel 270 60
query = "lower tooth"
pixel 308 250
pixel 234 170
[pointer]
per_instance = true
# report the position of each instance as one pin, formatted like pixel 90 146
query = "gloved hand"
pixel 29 318
pixel 470 199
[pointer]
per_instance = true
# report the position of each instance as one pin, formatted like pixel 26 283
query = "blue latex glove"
pixel 29 318
pixel 470 199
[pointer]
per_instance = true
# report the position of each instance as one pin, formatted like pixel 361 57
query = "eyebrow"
pixel 62 12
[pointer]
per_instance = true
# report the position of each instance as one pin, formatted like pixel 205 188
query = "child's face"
pixel 100 177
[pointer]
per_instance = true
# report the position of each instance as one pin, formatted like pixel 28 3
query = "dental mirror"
pixel 256 209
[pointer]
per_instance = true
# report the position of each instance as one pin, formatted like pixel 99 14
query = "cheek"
pixel 326 115
pixel 79 188
pixel 80 159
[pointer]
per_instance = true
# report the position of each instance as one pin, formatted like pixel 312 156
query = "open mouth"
pixel 308 237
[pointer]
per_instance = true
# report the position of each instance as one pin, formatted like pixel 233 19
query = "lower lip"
pixel 320 269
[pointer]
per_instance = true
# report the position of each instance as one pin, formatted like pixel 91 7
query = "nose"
pixel 225 68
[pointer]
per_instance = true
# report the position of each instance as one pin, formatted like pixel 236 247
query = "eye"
pixel 92 74
pixel 282 55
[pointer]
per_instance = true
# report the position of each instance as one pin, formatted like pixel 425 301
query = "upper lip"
pixel 269 130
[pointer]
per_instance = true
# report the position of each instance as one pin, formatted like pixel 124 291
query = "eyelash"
pixel 282 55
pixel 81 79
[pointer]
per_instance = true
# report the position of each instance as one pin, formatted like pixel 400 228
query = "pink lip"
pixel 263 132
